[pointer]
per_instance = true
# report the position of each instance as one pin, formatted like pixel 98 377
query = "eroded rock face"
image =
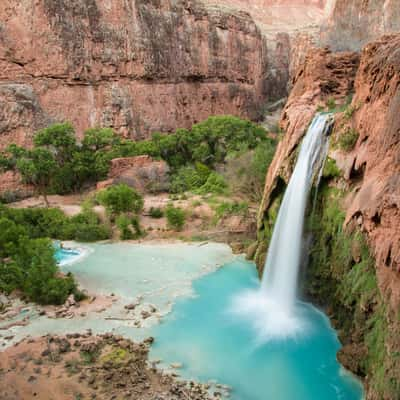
pixel 323 75
pixel 375 160
pixel 134 66
pixel 353 23
pixel 141 172
pixel 12 188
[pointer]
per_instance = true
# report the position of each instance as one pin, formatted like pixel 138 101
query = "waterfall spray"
pixel 275 303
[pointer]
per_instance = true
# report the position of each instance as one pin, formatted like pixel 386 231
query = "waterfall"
pixel 282 265
pixel 273 309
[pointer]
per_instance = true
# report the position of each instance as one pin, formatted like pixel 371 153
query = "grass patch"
pixel 116 356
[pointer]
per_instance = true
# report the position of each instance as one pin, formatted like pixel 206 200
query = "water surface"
pixel 202 332
pixel 211 342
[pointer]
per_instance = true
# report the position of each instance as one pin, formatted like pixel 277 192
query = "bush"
pixel 331 170
pixel 120 199
pixel 123 223
pixel 31 268
pixel 175 217
pixel 235 208
pixel 348 139
pixel 215 184
pixel 246 173
pixel 189 178
pixel 156 212
pixel 331 104
pixel 27 258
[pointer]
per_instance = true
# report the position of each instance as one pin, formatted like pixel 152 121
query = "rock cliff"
pixel 134 66
pixel 353 23
pixel 367 179
pixel 323 75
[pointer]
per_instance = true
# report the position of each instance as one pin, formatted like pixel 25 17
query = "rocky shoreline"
pixel 85 366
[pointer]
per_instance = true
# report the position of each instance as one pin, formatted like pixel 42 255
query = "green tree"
pixel 37 168
pixel 97 139
pixel 58 138
pixel 121 199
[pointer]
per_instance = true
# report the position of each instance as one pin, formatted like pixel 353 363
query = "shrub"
pixel 236 208
pixel 123 223
pixel 331 170
pixel 348 113
pixel 156 212
pixel 32 269
pixel 189 178
pixel 175 217
pixel 215 184
pixel 348 139
pixel 120 198
pixel 186 178
pixel 246 173
pixel 331 104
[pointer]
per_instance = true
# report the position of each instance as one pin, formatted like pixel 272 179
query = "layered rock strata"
pixel 136 67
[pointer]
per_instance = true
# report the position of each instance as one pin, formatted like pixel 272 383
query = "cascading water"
pixel 281 268
pixel 275 303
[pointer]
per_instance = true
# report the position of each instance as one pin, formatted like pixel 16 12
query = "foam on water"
pixel 267 317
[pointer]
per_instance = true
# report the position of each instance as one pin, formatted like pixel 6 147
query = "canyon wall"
pixel 353 23
pixel 364 179
pixel 134 66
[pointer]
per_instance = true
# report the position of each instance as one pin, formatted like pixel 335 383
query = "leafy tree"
pixel 97 139
pixel 58 138
pixel 37 168
pixel 120 199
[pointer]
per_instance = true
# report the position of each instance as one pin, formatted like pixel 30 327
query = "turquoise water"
pixel 212 343
pixel 201 331
pixel 65 255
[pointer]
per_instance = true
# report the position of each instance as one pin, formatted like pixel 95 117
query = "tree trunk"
pixel 46 200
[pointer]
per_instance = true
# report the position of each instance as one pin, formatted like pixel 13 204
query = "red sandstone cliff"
pixel 353 23
pixel 134 66
pixel 375 160
pixel 374 163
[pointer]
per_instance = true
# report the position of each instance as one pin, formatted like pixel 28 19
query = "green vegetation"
pixel 59 164
pixel 53 223
pixel 246 172
pixel 116 356
pixel 156 212
pixel 123 204
pixel 231 208
pixel 349 111
pixel 27 259
pixel 28 265
pixel 175 217
pixel 189 178
pixel 331 170
pixel 341 273
pixel 331 104
pixel 128 226
pixel 348 139
pixel 215 183
pixel 120 199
